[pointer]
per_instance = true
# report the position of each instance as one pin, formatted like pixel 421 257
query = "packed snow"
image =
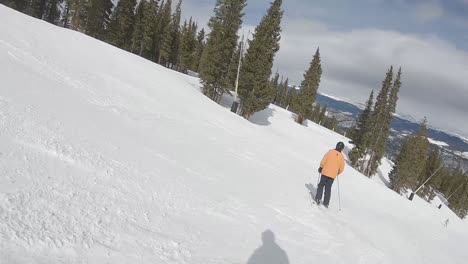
pixel 106 157
pixel 437 142
pixel 332 97
pixel 462 154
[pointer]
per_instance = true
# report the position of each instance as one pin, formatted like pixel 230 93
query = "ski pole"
pixel 339 196
pixel 318 179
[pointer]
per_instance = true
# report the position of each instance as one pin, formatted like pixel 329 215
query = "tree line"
pixel 417 168
pixel 150 29
pixel 256 88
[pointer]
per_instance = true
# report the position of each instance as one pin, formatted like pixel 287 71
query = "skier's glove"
pixel 320 170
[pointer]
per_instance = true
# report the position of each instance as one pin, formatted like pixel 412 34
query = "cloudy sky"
pixel 360 39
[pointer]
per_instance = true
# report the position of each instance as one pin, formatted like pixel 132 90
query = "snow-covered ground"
pixel 437 142
pixel 108 158
pixel 462 154
pixel 332 97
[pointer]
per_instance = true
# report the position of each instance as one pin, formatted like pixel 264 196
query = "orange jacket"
pixel 332 164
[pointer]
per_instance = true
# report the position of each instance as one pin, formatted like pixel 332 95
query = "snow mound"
pixel 108 158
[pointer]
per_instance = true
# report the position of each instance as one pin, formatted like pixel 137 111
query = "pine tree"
pixel 410 161
pixel 387 117
pixel 231 76
pixel 161 27
pixel 377 137
pixel 309 86
pixel 78 14
pixel 373 138
pixel 121 24
pixel 65 21
pixel 51 12
pixel 322 115
pixel 143 31
pixel 174 47
pixel 138 26
pixel 254 91
pixel 188 45
pixel 200 46
pixel 36 8
pixel 19 5
pixel 193 45
pixel 184 45
pixel 47 10
pixel 275 86
pixel 449 183
pixel 283 93
pixel 220 45
pixel 166 45
pixel 291 94
pixel 167 34
pixel 455 189
pixel 98 17
pixel 315 113
pixel 434 165
pixel 361 129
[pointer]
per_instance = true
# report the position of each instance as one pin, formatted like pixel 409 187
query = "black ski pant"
pixel 326 182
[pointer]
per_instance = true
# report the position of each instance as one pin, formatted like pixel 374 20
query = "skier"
pixel 331 166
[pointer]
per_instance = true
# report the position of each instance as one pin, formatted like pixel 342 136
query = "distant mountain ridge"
pixel 400 127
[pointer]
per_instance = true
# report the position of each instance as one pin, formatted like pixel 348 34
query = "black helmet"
pixel 339 146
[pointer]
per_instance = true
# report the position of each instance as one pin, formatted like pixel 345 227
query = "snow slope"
pixel 108 158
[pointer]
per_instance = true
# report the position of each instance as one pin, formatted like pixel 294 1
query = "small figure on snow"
pixel 446 222
pixel 331 166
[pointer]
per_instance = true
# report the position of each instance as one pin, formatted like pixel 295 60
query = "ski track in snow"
pixel 119 160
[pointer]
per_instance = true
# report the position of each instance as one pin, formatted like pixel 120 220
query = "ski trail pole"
pixel 339 196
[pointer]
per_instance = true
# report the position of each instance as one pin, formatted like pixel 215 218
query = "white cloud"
pixel 355 62
pixel 428 12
